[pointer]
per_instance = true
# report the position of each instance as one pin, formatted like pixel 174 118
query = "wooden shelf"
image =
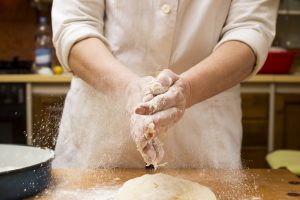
pixel 36 78
pixel 275 79
pixel 289 12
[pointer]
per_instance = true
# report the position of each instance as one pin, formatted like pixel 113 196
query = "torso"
pixel 147 39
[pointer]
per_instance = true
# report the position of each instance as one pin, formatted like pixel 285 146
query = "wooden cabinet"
pixel 256 122
pixel 287 121
pixel 255 129
pixel 47 112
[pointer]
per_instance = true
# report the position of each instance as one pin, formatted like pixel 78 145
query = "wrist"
pixel 187 90
pixel 123 77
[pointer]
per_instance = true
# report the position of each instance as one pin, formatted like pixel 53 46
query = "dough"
pixel 163 187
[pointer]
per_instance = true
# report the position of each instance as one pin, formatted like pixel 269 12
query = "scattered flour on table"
pixel 96 193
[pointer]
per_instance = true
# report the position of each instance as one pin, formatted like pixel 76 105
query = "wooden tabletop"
pixel 66 78
pixel 252 184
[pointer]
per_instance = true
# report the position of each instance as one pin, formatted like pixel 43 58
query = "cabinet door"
pixel 287 121
pixel 255 129
pixel 254 157
pixel 47 112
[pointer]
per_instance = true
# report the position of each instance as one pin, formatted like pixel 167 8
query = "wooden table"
pixel 252 184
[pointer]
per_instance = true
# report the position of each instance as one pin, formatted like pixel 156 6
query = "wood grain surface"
pixel 36 78
pixel 252 184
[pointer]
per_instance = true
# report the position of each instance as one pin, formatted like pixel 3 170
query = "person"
pixel 160 77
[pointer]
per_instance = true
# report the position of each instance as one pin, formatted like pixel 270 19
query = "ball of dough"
pixel 163 187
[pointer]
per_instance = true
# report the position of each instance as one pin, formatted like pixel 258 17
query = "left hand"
pixel 168 107
pixel 142 127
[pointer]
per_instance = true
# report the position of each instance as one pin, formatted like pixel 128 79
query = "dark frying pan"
pixel 24 170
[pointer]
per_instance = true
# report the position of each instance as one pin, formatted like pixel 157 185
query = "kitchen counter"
pixel 35 78
pixel 252 184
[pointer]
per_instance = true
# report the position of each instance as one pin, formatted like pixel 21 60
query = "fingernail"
pixel 140 110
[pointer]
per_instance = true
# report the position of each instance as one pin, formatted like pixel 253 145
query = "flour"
pixel 96 193
pixel 236 185
pixel 149 133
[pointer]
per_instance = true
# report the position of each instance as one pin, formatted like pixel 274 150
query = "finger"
pixel 140 142
pixel 153 152
pixel 148 97
pixel 167 78
pixel 157 88
pixel 164 80
pixel 172 98
pixel 166 118
pixel 149 131
pixel 154 88
pixel 149 153
pixel 158 147
pixel 137 128
pixel 161 121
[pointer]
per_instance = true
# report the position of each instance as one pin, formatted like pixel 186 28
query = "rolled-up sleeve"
pixel 74 20
pixel 253 23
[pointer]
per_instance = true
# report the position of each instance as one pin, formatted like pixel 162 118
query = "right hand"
pixel 170 105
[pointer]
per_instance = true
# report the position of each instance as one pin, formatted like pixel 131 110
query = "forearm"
pixel 90 60
pixel 227 66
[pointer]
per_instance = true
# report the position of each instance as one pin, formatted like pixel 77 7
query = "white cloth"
pixel 148 36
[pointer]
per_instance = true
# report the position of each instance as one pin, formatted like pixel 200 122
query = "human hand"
pixel 168 107
pixel 141 126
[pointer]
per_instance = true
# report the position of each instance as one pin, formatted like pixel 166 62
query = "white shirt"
pixel 148 36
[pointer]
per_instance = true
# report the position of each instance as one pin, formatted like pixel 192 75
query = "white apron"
pixel 94 132
pixel 148 36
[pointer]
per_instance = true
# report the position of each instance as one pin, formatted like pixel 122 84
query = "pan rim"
pixel 29 167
